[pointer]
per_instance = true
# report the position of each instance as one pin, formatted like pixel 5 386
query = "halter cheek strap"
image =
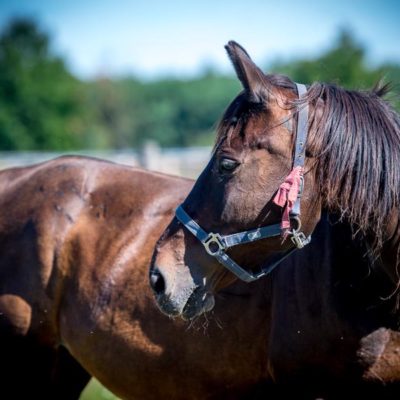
pixel 288 197
pixel 290 191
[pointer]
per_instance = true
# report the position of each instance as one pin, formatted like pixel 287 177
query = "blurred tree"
pixel 344 64
pixel 40 101
pixel 171 111
pixel 111 120
pixel 183 113
pixel 43 107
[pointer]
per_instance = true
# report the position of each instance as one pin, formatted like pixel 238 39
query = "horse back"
pixel 45 208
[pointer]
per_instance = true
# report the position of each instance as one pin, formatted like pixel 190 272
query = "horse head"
pixel 282 148
pixel 244 199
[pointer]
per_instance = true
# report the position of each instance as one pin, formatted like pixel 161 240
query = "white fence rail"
pixel 177 161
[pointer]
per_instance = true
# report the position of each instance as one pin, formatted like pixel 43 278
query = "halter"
pixel 288 196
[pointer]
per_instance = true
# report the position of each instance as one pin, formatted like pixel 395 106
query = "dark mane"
pixel 356 141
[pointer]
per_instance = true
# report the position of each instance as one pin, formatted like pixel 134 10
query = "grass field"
pixel 95 391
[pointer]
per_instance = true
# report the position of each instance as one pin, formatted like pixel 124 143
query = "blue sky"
pixel 181 37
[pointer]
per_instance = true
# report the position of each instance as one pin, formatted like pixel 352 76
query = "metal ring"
pixel 213 239
pixel 297 219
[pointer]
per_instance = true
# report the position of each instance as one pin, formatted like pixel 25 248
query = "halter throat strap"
pixel 216 244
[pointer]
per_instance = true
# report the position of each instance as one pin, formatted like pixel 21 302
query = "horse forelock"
pixel 355 139
pixel 241 109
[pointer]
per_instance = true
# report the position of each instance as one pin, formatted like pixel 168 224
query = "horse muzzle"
pixel 186 300
pixel 198 303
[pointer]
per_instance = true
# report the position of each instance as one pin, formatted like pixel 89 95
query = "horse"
pixel 280 148
pixel 76 238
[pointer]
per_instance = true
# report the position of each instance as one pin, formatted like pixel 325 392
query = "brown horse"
pixel 342 154
pixel 76 238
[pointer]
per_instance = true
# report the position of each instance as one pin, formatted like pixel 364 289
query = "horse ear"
pixel 252 78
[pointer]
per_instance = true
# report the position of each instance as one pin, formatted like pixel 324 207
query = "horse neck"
pixel 324 290
pixel 331 257
pixel 335 265
pixel 330 290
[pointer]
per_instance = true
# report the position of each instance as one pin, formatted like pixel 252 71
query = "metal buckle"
pixel 213 239
pixel 299 239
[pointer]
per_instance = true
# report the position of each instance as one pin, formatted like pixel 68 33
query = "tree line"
pixel 44 107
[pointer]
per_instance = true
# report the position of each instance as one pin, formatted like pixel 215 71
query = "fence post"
pixel 151 156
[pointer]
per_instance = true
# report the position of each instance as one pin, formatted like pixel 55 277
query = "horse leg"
pixel 32 370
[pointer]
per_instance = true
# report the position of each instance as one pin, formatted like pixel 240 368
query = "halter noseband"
pixel 288 196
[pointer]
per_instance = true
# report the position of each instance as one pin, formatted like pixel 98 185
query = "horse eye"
pixel 227 165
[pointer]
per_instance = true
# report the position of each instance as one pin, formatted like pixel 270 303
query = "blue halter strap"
pixel 216 244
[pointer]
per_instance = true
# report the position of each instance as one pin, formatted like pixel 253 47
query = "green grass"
pixel 96 391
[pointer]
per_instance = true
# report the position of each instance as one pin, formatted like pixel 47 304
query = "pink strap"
pixel 287 194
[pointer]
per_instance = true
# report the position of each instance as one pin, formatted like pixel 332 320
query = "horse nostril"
pixel 157 282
